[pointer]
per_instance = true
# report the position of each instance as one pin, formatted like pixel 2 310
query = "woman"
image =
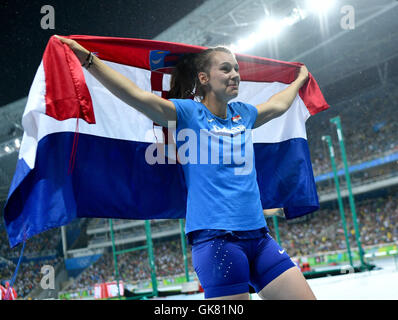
pixel 231 246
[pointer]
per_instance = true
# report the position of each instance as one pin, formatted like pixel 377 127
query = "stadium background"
pixel 356 70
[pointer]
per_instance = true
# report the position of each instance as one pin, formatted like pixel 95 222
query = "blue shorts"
pixel 227 265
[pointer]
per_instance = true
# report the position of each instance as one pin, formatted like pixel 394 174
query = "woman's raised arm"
pixel 154 107
pixel 280 102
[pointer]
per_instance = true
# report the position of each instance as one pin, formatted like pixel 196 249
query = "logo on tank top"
pixel 236 118
pixel 228 132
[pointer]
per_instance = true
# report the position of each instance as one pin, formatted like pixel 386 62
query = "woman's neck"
pixel 216 107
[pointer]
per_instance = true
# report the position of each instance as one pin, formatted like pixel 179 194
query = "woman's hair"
pixel 184 83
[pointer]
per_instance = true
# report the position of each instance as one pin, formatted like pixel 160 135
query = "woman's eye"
pixel 229 68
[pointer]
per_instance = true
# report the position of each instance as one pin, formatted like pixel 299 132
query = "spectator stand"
pixel 149 247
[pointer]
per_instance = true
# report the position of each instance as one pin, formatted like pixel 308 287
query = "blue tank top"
pixel 217 158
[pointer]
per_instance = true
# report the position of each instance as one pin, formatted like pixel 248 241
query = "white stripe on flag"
pixel 288 126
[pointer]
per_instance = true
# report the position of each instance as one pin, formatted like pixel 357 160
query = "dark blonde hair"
pixel 184 83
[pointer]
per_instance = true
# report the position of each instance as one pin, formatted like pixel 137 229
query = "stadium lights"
pixel 320 7
pixel 269 28
pixel 296 15
pixel 245 43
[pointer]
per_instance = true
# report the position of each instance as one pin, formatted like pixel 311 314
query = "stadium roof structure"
pixel 343 61
pixel 331 51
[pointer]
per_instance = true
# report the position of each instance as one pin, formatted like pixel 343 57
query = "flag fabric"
pixel 83 149
pixel 2 292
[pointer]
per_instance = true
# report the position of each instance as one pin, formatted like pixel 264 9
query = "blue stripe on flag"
pixel 285 177
pixel 111 179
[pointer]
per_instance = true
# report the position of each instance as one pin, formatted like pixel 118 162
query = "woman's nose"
pixel 235 75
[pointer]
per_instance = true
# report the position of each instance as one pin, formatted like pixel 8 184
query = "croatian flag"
pixel 83 149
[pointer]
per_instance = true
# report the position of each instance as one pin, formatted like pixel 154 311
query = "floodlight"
pixel 320 7
pixel 271 28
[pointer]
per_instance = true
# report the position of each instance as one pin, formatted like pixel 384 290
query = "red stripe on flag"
pixel 135 52
pixel 67 95
pixel 128 51
pixel 156 81
pixel 312 96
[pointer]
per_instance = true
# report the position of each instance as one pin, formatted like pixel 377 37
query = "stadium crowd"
pixel 40 245
pixel 134 266
pixel 29 274
pixel 321 231
pixel 39 251
pixel 360 177
pixel 377 221
pixel 369 129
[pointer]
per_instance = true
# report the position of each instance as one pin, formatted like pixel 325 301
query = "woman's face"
pixel 223 78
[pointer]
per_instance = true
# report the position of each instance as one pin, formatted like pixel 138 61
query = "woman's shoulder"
pixel 242 106
pixel 186 109
pixel 184 100
pixel 240 103
pixel 245 111
pixel 185 103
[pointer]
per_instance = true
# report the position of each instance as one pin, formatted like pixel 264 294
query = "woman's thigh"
pixel 223 269
pixel 290 285
pixel 268 263
pixel 241 296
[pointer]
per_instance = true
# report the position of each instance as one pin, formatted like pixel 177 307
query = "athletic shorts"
pixel 227 265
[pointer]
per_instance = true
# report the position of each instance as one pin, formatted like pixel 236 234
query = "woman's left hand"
pixel 303 73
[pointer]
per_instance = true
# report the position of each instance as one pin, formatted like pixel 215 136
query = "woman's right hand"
pixel 79 51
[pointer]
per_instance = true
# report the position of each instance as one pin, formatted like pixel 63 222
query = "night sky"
pixel 23 40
